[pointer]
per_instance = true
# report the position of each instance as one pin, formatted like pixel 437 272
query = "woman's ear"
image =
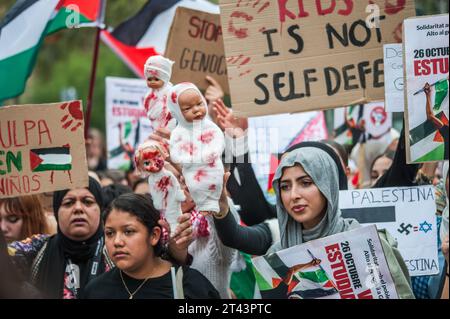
pixel 155 236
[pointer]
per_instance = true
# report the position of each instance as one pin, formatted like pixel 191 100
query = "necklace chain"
pixel 126 287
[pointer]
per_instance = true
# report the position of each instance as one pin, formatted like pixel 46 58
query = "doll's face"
pixel 155 83
pixel 192 106
pixel 150 160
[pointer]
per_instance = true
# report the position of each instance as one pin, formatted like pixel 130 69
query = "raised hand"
pixel 228 122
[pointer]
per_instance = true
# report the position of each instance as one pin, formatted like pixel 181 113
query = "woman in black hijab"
pixel 61 265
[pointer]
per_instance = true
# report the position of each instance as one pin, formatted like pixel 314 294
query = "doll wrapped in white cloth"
pixel 164 187
pixel 157 71
pixel 197 145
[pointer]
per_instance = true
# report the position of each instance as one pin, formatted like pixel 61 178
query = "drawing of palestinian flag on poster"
pixel 311 282
pixel 434 142
pixel 50 159
pixel 427 98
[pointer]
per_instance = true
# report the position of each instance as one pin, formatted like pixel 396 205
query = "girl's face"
pixel 128 241
pixel 10 225
pixel 380 167
pixel 79 214
pixel 301 198
pixel 192 106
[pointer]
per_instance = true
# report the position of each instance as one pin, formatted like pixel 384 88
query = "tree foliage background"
pixel 65 59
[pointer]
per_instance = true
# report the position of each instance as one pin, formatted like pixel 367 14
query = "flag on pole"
pixel 23 30
pixel 145 34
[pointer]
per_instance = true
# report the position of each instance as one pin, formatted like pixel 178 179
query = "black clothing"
pixel 110 286
pixel 400 173
pixel 253 240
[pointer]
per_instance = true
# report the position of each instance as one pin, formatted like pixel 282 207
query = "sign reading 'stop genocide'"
pixel 297 55
pixel 195 44
pixel 42 148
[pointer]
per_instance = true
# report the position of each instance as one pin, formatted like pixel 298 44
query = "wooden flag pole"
pixel 100 26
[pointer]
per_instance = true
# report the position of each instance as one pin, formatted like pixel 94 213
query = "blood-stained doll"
pixel 157 71
pixel 197 145
pixel 164 187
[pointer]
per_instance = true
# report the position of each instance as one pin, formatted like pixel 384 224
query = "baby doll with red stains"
pixel 197 145
pixel 157 71
pixel 164 187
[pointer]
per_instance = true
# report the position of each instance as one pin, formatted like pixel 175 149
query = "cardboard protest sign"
pixel 273 134
pixel 349 265
pixel 127 124
pixel 195 44
pixel 393 77
pixel 295 55
pixel 426 56
pixel 378 122
pixel 407 213
pixel 42 148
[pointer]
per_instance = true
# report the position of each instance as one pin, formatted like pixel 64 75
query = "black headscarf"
pixel 343 182
pixel 50 277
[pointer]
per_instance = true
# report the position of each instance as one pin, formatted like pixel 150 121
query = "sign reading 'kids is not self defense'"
pixel 296 55
pixel 42 148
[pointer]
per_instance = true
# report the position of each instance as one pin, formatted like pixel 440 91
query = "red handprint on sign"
pixel 243 16
pixel 74 117
pixel 239 61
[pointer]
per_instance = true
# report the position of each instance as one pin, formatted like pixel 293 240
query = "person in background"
pixel 95 150
pixel 112 176
pixel 13 286
pixel 46 200
pixel 21 217
pixel 133 240
pixel 380 166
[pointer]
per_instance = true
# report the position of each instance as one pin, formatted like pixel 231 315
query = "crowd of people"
pixel 109 241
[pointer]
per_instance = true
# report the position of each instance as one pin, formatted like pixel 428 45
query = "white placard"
pixel 394 96
pixel 407 213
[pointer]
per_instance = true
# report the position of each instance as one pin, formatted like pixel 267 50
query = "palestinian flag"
pixel 427 143
pixel 243 282
pixel 145 34
pixel 22 32
pixel 74 14
pixel 50 159
pixel 313 284
pixel 266 276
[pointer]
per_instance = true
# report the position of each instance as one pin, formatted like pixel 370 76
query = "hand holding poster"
pixel 349 265
pixel 293 55
pixel 393 78
pixel 42 148
pixel 195 44
pixel 407 213
pixel 426 57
